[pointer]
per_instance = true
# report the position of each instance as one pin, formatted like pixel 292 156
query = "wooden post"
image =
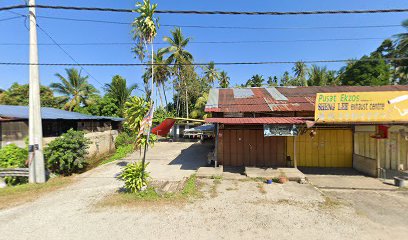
pixel 294 152
pixel 216 145
pixel 398 149
pixel 378 158
pixel 388 164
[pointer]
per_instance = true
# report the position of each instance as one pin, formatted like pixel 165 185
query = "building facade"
pixel 100 130
pixel 276 127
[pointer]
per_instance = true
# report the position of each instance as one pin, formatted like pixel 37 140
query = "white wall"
pixel 390 153
pixel 101 142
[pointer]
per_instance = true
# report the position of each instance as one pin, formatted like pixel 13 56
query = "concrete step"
pixel 206 172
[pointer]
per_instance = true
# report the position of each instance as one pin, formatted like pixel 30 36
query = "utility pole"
pixel 36 162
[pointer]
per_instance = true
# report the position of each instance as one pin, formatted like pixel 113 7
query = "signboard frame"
pixel 361 107
pixel 274 130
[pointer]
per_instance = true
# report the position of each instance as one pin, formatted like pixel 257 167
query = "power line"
pixel 69 55
pixel 59 46
pixel 225 27
pixel 201 64
pixel 368 11
pixel 10 18
pixel 200 42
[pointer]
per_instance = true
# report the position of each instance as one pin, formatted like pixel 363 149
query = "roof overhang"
pixel 256 121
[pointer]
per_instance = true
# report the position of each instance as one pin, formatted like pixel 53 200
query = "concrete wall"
pixel 365 165
pixel 102 142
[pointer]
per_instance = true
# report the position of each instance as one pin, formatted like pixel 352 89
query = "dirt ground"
pixel 229 209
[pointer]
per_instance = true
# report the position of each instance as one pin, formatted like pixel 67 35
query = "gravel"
pixel 238 210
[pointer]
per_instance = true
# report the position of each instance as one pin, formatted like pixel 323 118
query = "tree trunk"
pixel 160 95
pixel 164 93
pixel 186 101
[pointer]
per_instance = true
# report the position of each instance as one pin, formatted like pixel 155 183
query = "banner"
pixel 146 123
pixel 362 107
pixel 280 130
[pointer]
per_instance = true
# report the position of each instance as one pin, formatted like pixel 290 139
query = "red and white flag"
pixel 146 123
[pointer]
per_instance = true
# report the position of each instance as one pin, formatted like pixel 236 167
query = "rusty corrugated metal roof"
pixel 261 120
pixel 281 99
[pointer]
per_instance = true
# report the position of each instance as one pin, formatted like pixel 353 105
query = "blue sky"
pixel 14 31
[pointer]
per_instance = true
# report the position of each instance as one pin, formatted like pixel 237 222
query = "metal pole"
pixel 150 127
pixel 36 167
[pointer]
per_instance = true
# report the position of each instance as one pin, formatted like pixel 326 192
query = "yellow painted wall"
pixel 329 148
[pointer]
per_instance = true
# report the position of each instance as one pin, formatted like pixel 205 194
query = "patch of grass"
pixel 247 179
pixel 16 195
pixel 261 188
pixel 216 177
pixel 275 180
pixel 217 181
pixel 189 191
pixel 95 161
pixel 258 179
pixel 120 153
pixel 191 187
pixel 213 191
pixel 330 203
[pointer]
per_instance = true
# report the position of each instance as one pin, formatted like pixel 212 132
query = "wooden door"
pixel 250 148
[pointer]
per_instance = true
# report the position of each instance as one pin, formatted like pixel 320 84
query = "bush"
pixel 66 154
pixel 124 139
pixel 120 153
pixel 11 156
pixel 132 176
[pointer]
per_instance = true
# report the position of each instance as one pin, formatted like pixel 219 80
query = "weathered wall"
pixel 102 142
pixel 391 153
pixel 328 148
pixel 365 165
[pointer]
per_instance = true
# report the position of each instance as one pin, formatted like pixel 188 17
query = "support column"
pixel 36 165
pixel 378 159
pixel 398 148
pixel 294 152
pixel 216 145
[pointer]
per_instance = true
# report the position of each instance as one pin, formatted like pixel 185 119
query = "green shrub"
pixel 11 156
pixel 66 154
pixel 132 176
pixel 124 139
pixel 120 153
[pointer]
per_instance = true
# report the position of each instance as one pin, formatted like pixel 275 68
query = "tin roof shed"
pixel 22 112
pixel 279 99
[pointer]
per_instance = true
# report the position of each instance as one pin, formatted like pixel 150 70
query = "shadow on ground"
pixel 330 171
pixel 193 157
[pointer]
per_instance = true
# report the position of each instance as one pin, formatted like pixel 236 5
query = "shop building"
pixel 279 127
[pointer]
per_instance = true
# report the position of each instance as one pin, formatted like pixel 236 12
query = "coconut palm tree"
pixel 332 78
pixel 402 39
pixel 272 81
pixel 119 91
pixel 161 75
pixel 401 66
pixel 75 87
pixel 318 76
pixel 224 80
pixel 300 70
pixel 255 81
pixel 145 30
pixel 211 74
pixel 178 56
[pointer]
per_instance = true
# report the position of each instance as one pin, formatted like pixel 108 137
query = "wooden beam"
pixel 398 148
pixel 294 152
pixel 378 158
